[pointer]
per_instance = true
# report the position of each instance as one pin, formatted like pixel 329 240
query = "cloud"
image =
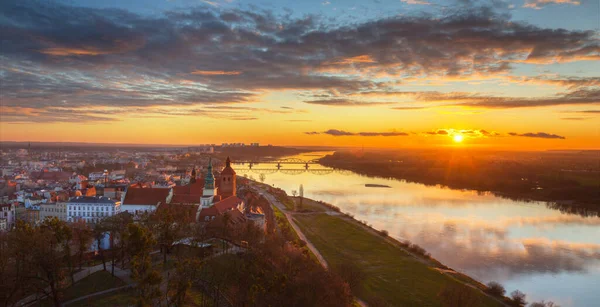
pixel 336 132
pixel 574 118
pixel 538 4
pixel 346 102
pixel 588 111
pixel 477 133
pixel 542 135
pixel 113 57
pixel 408 108
pixel 416 2
pixel 215 73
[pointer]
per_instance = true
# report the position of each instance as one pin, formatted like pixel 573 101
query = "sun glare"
pixel 458 138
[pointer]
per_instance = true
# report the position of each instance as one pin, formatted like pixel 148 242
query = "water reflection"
pixel 532 246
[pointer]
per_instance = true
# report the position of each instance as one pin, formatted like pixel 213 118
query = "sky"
pixel 499 74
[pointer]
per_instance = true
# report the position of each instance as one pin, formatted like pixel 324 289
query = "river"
pixel 527 246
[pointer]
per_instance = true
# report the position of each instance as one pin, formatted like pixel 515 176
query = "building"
pixel 227 181
pixel 139 200
pixel 96 176
pixel 7 214
pixel 57 209
pixel 28 215
pixel 229 204
pixel 210 191
pixel 91 208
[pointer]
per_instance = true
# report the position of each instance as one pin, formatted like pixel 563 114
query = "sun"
pixel 458 138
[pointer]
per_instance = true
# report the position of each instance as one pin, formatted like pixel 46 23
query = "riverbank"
pixel 395 273
pixel 517 181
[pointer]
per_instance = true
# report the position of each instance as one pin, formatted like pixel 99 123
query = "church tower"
pixel 210 190
pixel 227 185
pixel 193 175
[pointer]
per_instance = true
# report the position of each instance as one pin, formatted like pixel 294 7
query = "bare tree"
pixel 294 193
pixel 82 238
pixel 518 298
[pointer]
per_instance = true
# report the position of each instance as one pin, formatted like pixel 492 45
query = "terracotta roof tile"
pixel 145 196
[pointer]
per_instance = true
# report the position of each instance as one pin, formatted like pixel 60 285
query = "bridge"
pixel 278 163
pixel 295 171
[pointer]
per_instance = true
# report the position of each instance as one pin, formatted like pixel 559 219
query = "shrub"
pixel 518 298
pixel 495 289
pixel 384 233
pixel 543 304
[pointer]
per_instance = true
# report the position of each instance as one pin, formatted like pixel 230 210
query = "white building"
pixel 96 176
pixel 139 200
pixel 7 212
pixel 91 208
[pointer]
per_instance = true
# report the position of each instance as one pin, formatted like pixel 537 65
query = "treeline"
pixel 520 177
pixel 244 267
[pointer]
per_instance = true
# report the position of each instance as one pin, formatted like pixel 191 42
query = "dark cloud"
pixel 583 96
pixel 55 54
pixel 336 132
pixel 542 135
pixel 408 108
pixel 346 102
pixel 574 118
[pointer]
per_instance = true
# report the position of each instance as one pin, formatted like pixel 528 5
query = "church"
pixel 213 195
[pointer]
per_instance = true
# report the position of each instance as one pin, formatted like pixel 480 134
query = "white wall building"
pixel 7 212
pixel 91 208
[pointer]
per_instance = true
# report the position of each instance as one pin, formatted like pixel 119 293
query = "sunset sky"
pixel 504 74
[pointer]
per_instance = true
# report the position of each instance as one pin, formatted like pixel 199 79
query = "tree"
pixel 82 238
pixel 170 223
pixel 117 227
pixel 543 304
pixel 99 232
pixel 351 274
pixel 495 289
pixel 187 271
pixel 262 177
pixel 139 245
pixel 294 193
pixel 518 298
pixel 301 194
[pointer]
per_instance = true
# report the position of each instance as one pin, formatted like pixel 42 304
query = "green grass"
pixel 119 298
pixel 391 274
pixel 96 282
pixel 286 201
pixel 308 205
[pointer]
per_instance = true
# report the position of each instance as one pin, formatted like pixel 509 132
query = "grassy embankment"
pixel 391 273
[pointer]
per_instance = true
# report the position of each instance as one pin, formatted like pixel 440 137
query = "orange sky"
pixel 214 74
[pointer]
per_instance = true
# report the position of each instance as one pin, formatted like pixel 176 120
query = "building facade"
pixel 91 208
pixel 58 210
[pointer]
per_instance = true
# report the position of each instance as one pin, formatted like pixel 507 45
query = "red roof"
pixel 190 189
pixel 56 176
pixel 228 203
pixel 145 196
pixel 185 199
pixel 221 207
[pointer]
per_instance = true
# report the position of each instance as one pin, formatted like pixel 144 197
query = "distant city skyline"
pixel 498 74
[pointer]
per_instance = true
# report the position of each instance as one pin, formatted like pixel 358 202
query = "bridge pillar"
pixel 306 166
